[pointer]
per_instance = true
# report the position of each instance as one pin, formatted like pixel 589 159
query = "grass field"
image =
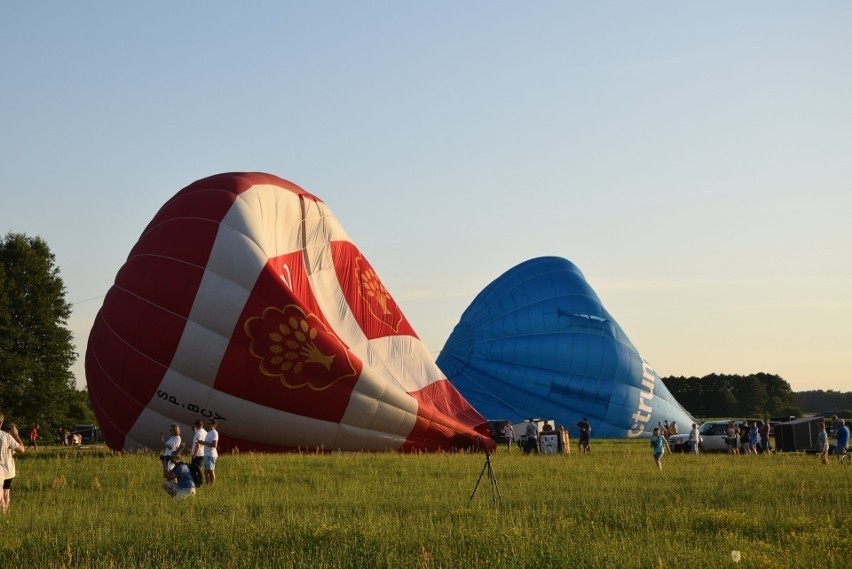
pixel 92 508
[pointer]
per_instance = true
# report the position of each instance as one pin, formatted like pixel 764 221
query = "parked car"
pixel 713 435
pixel 712 438
pixel 88 433
pixel 495 429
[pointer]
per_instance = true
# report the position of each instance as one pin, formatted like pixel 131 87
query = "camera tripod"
pixel 495 490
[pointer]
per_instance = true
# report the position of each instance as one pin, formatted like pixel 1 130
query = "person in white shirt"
pixel 509 435
pixel 170 445
pixel 197 446
pixel 211 452
pixel 531 444
pixel 694 439
pixel 10 443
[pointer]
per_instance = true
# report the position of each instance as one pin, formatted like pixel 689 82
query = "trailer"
pixel 798 435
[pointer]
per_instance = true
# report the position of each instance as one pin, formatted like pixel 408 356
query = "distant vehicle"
pixel 521 433
pixel 89 433
pixel 712 434
pixel 495 429
pixel 799 435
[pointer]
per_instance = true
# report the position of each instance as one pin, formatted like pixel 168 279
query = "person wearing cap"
pixel 178 479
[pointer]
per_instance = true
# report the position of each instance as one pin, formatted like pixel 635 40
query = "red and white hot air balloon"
pixel 245 300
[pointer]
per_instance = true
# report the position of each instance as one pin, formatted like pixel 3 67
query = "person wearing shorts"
pixel 658 445
pixel 10 443
pixel 732 438
pixel 198 436
pixel 211 451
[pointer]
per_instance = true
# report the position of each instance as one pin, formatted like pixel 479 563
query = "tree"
pixel 819 401
pixel 751 396
pixel 36 349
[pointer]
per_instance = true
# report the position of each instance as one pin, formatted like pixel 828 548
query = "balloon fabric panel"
pixel 245 300
pixel 537 342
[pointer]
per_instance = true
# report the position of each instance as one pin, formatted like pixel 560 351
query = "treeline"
pixel 746 396
pixel 819 401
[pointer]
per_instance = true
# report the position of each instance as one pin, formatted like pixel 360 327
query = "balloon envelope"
pixel 245 300
pixel 538 343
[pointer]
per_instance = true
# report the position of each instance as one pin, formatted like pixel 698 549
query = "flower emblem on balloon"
pixel 297 348
pixel 379 300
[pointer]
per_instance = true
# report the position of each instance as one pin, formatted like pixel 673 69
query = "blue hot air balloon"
pixel 537 342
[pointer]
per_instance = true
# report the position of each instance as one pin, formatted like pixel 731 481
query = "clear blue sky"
pixel 694 160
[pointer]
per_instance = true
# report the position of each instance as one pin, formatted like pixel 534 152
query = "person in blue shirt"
pixel 841 434
pixel 658 444
pixel 178 480
pixel 753 437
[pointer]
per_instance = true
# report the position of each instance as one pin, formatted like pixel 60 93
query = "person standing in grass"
pixel 694 439
pixel 732 438
pixel 765 429
pixel 509 435
pixel 171 445
pixel 531 443
pixel 10 443
pixel 822 443
pixel 33 437
pixel 211 451
pixel 753 437
pixel 197 443
pixel 658 445
pixel 585 436
pixel 841 434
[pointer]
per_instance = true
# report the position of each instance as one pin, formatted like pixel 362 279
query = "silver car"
pixel 713 434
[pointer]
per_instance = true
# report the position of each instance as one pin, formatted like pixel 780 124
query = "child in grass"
pixel 658 444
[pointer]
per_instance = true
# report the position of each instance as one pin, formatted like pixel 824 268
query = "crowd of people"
pixel 743 437
pixel 178 481
pixel 530 441
pixel 746 437
pixel 841 439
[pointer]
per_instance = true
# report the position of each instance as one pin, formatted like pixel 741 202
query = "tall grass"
pixel 92 508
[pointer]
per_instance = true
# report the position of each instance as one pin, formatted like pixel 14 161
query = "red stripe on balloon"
pixel 444 415
pixel 282 353
pixel 375 311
